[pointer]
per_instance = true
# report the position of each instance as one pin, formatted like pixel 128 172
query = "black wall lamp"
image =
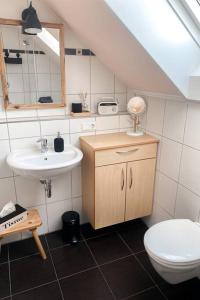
pixel 30 22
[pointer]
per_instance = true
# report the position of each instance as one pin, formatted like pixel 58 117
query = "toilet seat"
pixel 174 243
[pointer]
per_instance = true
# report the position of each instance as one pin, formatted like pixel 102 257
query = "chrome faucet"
pixel 44 145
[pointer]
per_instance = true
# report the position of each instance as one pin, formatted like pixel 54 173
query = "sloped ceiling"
pixel 114 44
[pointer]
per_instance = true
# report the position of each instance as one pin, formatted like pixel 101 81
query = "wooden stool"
pixel 32 222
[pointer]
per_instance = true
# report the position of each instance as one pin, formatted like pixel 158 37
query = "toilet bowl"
pixel 173 247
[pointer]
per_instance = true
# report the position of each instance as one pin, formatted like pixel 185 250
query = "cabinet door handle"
pixel 122 180
pixel 127 151
pixel 131 178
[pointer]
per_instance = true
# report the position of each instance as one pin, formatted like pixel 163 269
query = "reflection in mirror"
pixel 32 65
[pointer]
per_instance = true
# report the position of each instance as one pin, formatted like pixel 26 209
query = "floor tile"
pixel 54 239
pixel 144 260
pixel 30 272
pixel 88 232
pixel 133 234
pixel 24 248
pixel 108 247
pixel 88 285
pixel 4 281
pixel 4 254
pixel 126 277
pixel 152 294
pixel 49 291
pixel 72 259
pixel 188 290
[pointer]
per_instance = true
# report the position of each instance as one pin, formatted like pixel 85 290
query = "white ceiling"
pixel 114 44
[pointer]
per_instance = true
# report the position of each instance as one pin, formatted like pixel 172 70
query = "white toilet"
pixel 173 247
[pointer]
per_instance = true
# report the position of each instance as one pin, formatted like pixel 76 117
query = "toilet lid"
pixel 174 241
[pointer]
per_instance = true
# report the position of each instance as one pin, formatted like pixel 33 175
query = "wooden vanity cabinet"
pixel 117 177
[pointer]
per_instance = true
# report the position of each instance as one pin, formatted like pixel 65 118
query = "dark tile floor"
pixel 110 263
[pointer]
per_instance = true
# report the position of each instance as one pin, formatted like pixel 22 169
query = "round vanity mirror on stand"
pixel 136 107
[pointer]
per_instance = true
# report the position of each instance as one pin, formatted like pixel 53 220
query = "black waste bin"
pixel 71 227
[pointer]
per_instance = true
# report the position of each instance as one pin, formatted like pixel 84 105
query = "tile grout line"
pixel 138 293
pixel 180 164
pixel 79 272
pixel 100 270
pixel 141 265
pixel 146 271
pixel 33 288
pixel 54 269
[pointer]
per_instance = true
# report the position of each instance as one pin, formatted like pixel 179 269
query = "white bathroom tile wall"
pixel 52 127
pixel 158 215
pixel 77 206
pixel 125 121
pixel 17 98
pixel 174 121
pixel 187 205
pixel 61 188
pixel 51 112
pixel 24 113
pixel 19 144
pixel 106 123
pixel 74 137
pixel 191 137
pixel 76 125
pixel 30 192
pixel 155 115
pixel 130 93
pixel 15 83
pixel 13 69
pixel 121 98
pixel 23 130
pixel 159 137
pixel 165 192
pixel 107 131
pixel 77 74
pixel 3 131
pixel 76 182
pixel 178 163
pixel 170 158
pixel 120 87
pixel 5 171
pixel 29 83
pixel 55 211
pixel 43 214
pixel 43 83
pixel 7 189
pixel 55 82
pixel 42 63
pixel 190 171
pixel 102 79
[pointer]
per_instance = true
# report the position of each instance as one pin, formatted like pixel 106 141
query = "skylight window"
pixel 49 40
pixel 194 8
pixel 188 11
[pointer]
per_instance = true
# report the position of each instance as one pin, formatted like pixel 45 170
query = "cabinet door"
pixel 110 191
pixel 140 186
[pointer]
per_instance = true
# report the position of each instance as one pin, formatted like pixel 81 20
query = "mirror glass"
pixel 32 65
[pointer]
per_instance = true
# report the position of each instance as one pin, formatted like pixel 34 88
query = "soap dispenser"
pixel 58 143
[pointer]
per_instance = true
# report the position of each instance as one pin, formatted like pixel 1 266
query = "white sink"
pixel 33 163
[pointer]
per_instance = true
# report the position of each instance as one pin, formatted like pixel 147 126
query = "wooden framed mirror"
pixel 32 67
